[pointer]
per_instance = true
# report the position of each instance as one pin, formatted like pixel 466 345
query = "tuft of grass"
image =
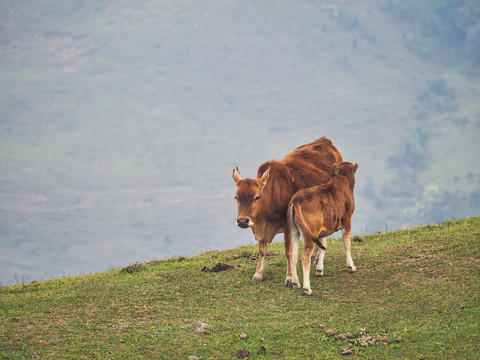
pixel 416 295
pixel 132 268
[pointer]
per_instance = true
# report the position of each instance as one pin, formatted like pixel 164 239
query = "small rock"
pixel 348 351
pixel 277 351
pixel 330 332
pixel 384 340
pixel 193 357
pixel 200 327
pixel 221 267
pixel 365 341
pixel 217 268
pixel 243 336
pixel 262 350
pixel 322 326
pixel 242 353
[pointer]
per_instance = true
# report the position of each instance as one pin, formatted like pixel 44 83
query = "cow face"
pixel 345 169
pixel 348 170
pixel 249 197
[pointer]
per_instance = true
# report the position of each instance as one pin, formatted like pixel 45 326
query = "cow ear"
pixel 264 178
pixel 337 170
pixel 236 175
pixel 355 168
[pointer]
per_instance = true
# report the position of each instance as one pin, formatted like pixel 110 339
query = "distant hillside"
pixel 415 295
pixel 120 123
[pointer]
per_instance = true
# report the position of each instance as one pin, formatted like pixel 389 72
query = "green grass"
pixel 418 288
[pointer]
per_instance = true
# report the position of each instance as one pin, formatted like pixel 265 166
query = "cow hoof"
pixel 291 283
pixel 257 277
pixel 352 269
pixel 319 273
pixel 308 291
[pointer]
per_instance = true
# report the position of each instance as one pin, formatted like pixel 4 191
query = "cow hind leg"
pixel 346 244
pixel 308 248
pixel 316 255
pixel 291 255
pixel 321 256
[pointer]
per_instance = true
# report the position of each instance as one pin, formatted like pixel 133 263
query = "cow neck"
pixel 277 193
pixel 294 182
pixel 350 183
pixel 350 180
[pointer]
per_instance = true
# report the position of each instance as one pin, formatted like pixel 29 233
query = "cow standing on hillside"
pixel 318 212
pixel 263 202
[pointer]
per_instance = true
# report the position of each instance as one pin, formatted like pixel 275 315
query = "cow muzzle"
pixel 244 222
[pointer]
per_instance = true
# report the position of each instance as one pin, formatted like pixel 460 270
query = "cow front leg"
pixel 291 255
pixel 262 251
pixel 346 244
pixel 321 257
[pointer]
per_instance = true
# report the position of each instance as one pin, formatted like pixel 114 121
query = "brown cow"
pixel 263 202
pixel 318 212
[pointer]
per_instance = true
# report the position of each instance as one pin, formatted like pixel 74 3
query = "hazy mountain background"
pixel 121 121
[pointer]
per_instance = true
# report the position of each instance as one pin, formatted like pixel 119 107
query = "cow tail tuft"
pixel 317 239
pixel 319 244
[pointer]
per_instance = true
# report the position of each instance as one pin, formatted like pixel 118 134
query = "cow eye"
pixel 236 197
pixel 257 198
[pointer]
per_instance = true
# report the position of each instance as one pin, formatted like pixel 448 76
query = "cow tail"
pixel 306 229
pixel 293 219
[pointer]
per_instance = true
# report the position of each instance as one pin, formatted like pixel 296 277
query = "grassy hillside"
pixel 120 122
pixel 416 295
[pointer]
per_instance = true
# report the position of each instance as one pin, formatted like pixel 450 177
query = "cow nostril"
pixel 243 222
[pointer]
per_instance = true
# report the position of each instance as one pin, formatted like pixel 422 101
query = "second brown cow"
pixel 318 212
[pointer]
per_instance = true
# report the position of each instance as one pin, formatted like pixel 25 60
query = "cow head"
pixel 249 197
pixel 348 170
pixel 345 168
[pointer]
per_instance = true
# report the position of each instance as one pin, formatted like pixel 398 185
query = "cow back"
pixel 313 164
pixel 325 206
pixel 307 165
